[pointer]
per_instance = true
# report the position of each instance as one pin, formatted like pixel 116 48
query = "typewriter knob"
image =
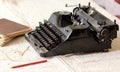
pixel 104 34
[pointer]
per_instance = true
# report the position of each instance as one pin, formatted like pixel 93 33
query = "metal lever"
pixel 66 5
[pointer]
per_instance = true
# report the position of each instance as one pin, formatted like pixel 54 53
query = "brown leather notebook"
pixel 10 29
pixel 2 43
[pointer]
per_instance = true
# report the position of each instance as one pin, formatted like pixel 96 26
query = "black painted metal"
pixel 83 30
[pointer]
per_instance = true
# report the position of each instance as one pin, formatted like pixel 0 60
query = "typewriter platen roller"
pixel 83 30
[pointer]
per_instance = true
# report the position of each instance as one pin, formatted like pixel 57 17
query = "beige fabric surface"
pixel 30 12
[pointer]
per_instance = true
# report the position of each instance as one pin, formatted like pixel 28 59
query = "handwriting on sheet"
pixel 14 55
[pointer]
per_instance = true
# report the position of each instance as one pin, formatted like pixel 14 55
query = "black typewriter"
pixel 82 31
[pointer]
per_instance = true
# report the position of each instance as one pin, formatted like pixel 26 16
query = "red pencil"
pixel 27 64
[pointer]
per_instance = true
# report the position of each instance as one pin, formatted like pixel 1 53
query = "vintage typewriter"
pixel 82 31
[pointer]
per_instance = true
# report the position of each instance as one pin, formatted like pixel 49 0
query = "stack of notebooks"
pixel 10 29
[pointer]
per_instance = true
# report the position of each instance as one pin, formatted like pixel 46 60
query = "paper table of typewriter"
pixel 83 30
